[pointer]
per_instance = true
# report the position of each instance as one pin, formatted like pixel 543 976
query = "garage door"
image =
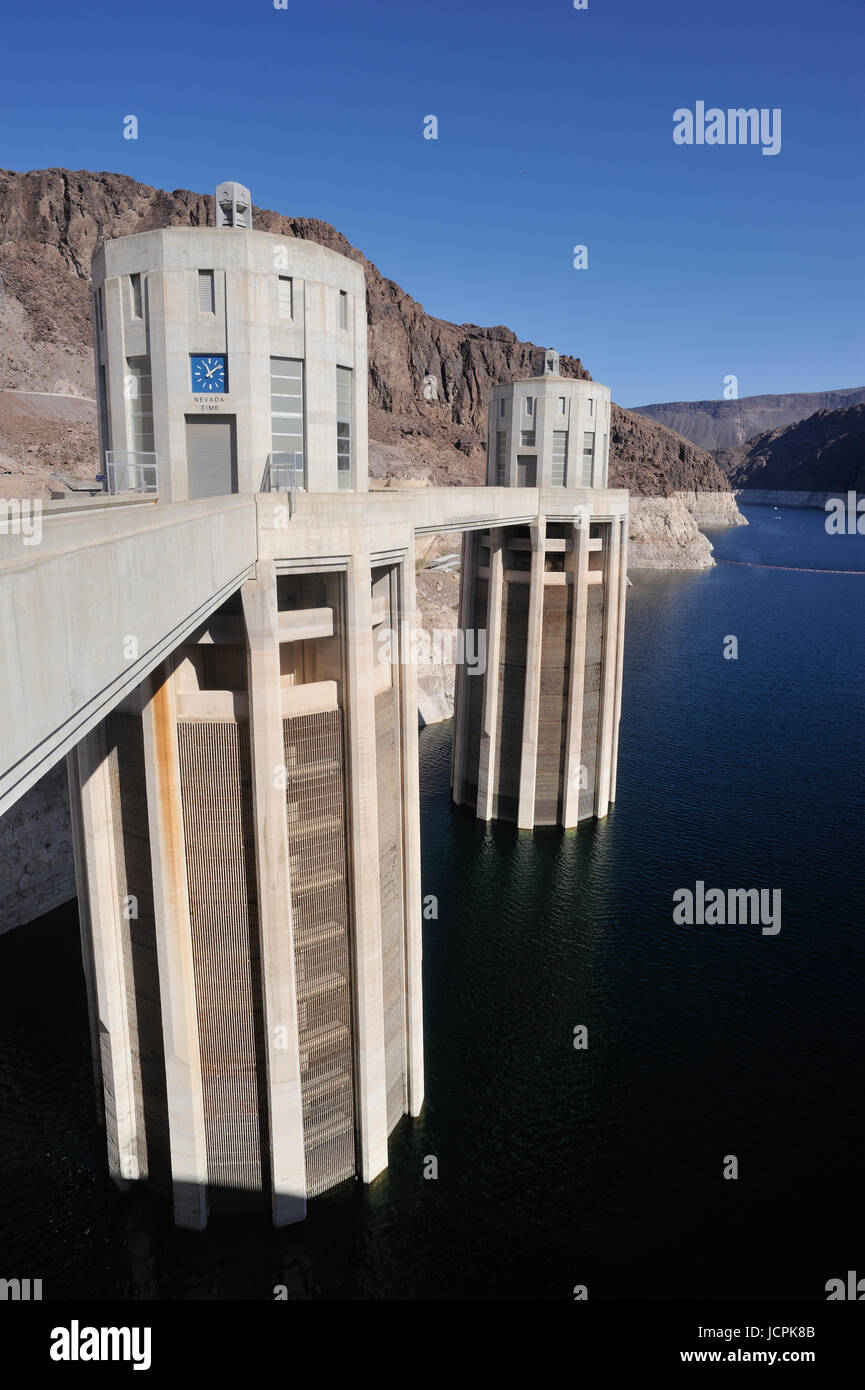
pixel 211 459
pixel 527 467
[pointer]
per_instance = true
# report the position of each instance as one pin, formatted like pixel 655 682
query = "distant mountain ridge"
pixel 825 452
pixel 727 424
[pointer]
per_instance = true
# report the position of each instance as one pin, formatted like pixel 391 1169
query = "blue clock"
pixel 208 374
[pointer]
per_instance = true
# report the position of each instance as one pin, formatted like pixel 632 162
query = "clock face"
pixel 208 374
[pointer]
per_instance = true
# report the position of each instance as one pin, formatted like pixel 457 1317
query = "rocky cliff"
pixel 653 461
pixel 727 424
pixel 824 452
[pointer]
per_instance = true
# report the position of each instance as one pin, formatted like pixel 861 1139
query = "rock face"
pixel 662 534
pixel 41 435
pixel 727 424
pixel 824 452
pixel 676 487
pixel 438 606
pixel 653 461
pixel 713 508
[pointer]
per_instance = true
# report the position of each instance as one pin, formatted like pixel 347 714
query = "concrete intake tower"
pixel 536 736
pixel 242 747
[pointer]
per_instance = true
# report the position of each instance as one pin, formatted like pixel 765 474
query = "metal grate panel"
pixel 315 806
pixel 473 687
pixel 220 865
pixel 552 720
pixel 390 877
pixel 591 697
pixel 511 698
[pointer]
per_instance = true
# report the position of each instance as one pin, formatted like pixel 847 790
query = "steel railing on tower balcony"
pixel 127 471
pixel 285 473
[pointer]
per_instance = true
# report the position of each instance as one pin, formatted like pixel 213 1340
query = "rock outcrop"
pixel 654 461
pixel 712 508
pixel 662 534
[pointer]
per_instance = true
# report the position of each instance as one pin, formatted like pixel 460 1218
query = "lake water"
pixel 559 1167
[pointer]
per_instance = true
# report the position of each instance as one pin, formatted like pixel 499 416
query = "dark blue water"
pixel 560 1167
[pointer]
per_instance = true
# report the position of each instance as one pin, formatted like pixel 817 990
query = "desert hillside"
pixel 825 452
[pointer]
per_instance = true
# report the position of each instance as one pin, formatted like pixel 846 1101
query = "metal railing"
pixel 444 562
pixel 131 472
pixel 284 473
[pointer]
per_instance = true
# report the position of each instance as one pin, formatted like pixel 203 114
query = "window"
pixel 501 408
pixel 527 439
pixel 286 418
pixel 530 405
pixel 560 454
pixel 206 292
pixel 99 320
pixel 285 289
pixel 563 405
pixel 103 410
pixel 591 406
pixel 343 309
pixel 588 457
pixel 501 458
pixel 137 298
pixel 139 393
pixel 343 426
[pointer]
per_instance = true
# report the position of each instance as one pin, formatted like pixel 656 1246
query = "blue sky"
pixel 702 261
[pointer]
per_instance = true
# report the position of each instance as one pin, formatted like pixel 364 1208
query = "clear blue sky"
pixel 703 261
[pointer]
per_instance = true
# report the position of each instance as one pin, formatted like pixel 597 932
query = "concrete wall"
pixel 95 606
pixel 545 405
pixel 37 873
pixel 246 327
